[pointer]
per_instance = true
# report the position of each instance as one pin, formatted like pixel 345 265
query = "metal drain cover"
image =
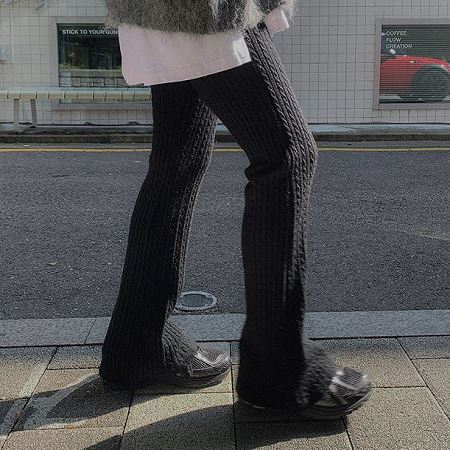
pixel 195 301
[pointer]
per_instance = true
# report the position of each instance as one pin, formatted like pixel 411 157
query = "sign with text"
pixel 86 31
pixel 414 63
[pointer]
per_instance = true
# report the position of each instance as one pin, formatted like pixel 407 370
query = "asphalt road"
pixel 378 231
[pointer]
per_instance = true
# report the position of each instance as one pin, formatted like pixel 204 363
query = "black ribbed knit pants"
pixel 279 366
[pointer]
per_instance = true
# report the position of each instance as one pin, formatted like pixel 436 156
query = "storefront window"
pixel 89 56
pixel 414 64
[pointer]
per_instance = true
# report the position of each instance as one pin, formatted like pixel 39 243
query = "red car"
pixel 414 77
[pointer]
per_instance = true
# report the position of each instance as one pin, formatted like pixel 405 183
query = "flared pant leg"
pixel 279 366
pixel 141 341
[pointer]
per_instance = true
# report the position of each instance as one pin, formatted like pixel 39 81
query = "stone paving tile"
pixel 399 418
pixel 78 439
pixel 74 398
pixel 382 358
pixel 436 373
pixel 329 435
pixel 21 369
pixel 76 357
pixel 426 346
pixel 181 421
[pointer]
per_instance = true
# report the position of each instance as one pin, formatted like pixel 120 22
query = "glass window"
pixel 414 64
pixel 89 56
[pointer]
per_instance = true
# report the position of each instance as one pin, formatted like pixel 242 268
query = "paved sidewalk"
pixel 142 133
pixel 52 398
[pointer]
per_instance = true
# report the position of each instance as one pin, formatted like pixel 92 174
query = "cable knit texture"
pixel 279 366
pixel 193 16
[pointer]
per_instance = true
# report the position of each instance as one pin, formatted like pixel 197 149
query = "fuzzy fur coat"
pixel 193 16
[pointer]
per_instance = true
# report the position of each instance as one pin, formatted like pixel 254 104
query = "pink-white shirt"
pixel 154 56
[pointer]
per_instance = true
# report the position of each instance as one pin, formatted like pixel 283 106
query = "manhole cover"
pixel 195 301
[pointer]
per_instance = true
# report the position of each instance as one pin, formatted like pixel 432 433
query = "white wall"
pixel 331 87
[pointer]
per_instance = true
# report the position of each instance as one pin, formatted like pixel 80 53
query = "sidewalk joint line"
pixel 89 332
pixel 132 396
pixel 441 408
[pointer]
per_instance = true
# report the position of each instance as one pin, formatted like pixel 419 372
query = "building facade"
pixel 350 61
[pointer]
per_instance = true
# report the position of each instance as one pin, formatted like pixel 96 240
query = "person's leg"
pixel 279 366
pixel 140 340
